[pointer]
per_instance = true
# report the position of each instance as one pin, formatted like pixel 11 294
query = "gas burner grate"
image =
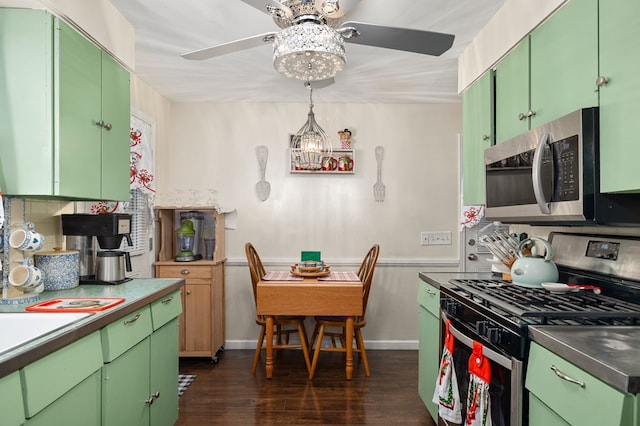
pixel 525 302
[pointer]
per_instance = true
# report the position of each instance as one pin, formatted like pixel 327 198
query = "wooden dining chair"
pixel 320 330
pixel 283 325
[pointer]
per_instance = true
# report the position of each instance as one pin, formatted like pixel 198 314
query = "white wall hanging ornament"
pixel 263 188
pixel 378 187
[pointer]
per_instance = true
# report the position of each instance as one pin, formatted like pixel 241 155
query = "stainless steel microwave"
pixel 551 175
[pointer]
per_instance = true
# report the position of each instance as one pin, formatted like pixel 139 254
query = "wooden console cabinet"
pixel 202 323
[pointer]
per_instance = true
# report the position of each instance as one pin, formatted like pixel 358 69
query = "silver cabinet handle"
pixel 100 123
pixel 430 292
pixel 472 256
pixel 185 272
pixel 167 300
pixel 522 116
pixel 132 320
pixel 188 292
pixel 565 377
pixel 108 126
pixel 486 137
pixel 601 81
pixel 530 113
pixel 156 395
pixel 149 401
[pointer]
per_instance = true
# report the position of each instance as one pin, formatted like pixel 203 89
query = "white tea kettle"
pixel 532 270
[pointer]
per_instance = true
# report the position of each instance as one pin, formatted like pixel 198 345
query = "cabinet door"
pixel 115 137
pixel 429 346
pixel 125 388
pixel 26 130
pixel 78 141
pixel 198 335
pixel 620 97
pixel 477 116
pixel 164 374
pixel 78 407
pixel 512 93
pixel 564 62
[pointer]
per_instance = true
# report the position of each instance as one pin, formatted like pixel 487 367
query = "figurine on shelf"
pixel 345 138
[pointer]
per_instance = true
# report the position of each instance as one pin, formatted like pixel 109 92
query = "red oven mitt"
pixel 478 402
pixel 446 394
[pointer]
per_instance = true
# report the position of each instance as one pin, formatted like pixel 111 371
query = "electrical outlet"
pixel 424 238
pixel 440 238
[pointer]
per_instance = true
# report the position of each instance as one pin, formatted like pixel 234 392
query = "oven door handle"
pixel 536 173
pixel 468 342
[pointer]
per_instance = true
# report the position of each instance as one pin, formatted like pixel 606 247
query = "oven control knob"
pixel 481 327
pixel 452 307
pixel 494 334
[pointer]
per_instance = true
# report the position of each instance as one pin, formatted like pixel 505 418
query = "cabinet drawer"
pixel 184 271
pixel 50 377
pixel 166 309
pixel 429 298
pixel 594 404
pixel 11 403
pixel 125 333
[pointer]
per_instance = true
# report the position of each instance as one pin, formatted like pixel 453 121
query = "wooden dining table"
pixel 337 295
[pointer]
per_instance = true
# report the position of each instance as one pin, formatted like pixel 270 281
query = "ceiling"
pixel 166 28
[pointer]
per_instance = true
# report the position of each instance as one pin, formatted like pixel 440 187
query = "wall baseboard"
pixel 395 345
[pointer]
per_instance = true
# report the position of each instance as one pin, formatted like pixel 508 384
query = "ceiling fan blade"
pixel 271 6
pixel 230 47
pixel 418 41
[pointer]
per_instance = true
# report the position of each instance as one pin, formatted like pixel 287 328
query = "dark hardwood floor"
pixel 228 394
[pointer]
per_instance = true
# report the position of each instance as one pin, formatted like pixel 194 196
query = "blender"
pixel 186 236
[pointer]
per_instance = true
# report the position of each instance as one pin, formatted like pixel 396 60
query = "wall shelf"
pixel 341 161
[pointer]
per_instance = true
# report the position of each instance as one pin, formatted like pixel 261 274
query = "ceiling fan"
pixel 310 46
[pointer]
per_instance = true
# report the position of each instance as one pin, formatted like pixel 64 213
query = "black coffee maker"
pixel 107 265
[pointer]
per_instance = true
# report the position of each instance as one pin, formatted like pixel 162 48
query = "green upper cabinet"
pixel 564 62
pixel 512 93
pixel 550 73
pixel 477 125
pixel 64 107
pixel 620 96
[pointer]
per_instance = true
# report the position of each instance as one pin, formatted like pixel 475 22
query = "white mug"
pixel 25 276
pixel 26 238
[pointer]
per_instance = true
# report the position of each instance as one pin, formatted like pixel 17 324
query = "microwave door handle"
pixel 536 174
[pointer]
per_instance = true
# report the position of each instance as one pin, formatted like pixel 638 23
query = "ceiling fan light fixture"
pixel 309 52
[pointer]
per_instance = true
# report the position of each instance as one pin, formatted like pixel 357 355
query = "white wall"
pixel 212 145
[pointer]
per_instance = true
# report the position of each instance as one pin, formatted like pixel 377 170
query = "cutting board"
pixel 75 304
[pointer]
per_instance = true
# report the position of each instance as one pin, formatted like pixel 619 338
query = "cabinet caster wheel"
pixel 214 360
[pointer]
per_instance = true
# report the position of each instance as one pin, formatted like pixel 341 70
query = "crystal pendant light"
pixel 315 145
pixel 309 52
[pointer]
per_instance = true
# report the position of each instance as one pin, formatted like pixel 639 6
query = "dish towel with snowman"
pixel 478 403
pixel 446 394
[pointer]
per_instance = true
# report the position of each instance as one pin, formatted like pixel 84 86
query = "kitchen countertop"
pixel 137 293
pixel 610 353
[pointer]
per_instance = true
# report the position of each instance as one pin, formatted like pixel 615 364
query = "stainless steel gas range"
pixel 580 324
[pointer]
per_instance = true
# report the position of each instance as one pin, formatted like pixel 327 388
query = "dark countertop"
pixel 137 293
pixel 610 353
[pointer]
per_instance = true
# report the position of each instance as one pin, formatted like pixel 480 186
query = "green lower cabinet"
pixel 140 387
pixel 78 407
pixel 125 388
pixel 429 345
pixel 594 403
pixel 540 414
pixel 164 374
pixel 11 403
